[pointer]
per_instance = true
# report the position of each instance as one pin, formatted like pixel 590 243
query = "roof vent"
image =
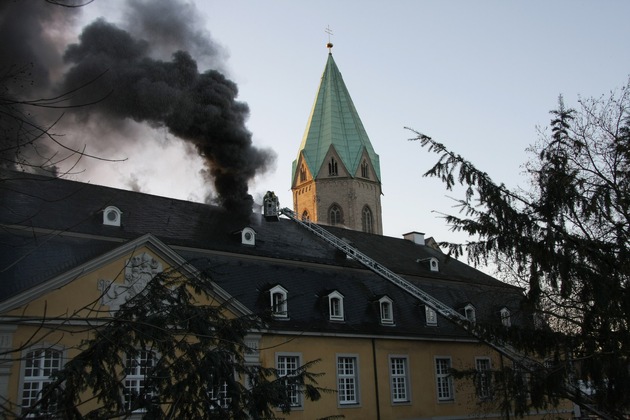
pixel 415 237
pixel 112 216
pixel 248 236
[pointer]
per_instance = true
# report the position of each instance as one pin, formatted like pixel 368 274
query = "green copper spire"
pixel 334 121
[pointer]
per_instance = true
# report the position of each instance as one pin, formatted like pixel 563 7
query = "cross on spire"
pixel 329 32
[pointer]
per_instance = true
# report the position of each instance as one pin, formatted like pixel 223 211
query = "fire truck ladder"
pixel 528 363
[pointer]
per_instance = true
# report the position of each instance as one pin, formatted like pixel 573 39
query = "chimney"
pixel 415 237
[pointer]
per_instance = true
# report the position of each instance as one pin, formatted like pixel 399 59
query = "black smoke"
pixel 145 69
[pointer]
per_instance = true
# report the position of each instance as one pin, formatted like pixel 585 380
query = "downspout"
pixel 378 403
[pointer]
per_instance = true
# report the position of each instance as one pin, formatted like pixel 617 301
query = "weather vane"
pixel 329 32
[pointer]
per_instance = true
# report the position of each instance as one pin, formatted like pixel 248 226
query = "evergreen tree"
pixel 568 236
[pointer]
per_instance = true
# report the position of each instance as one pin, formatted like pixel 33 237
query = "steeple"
pixel 336 148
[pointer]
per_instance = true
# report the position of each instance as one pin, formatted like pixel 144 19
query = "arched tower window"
pixel 366 219
pixel 335 217
pixel 305 215
pixel 364 169
pixel 332 167
pixel 302 173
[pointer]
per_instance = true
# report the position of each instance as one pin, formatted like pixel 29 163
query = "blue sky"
pixel 479 76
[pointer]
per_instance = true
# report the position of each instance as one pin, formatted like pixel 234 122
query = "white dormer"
pixel 278 296
pixel 386 308
pixel 505 314
pixel 335 306
pixel 112 216
pixel 248 236
pixel 430 315
pixel 470 313
pixel 432 262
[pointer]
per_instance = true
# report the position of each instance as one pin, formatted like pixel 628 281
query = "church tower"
pixel 336 178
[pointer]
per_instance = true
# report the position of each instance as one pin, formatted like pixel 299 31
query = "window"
pixel 399 380
pixel 334 215
pixel 483 378
pixel 335 306
pixel 443 378
pixel 278 302
pixel 469 313
pixel 505 314
pixel 37 367
pixel 218 395
pixel 347 380
pixel 112 216
pixel 136 389
pixel 302 173
pixel 387 311
pixel 431 316
pixel 305 215
pixel 287 366
pixel 366 219
pixel 332 167
pixel 364 169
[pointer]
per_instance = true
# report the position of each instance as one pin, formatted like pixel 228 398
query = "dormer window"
pixel 505 314
pixel 433 264
pixel 248 236
pixel 302 173
pixel 278 296
pixel 365 169
pixel 470 313
pixel 335 306
pixel 431 316
pixel 112 216
pixel 332 167
pixel 387 310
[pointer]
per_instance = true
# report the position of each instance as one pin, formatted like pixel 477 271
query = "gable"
pixel 104 283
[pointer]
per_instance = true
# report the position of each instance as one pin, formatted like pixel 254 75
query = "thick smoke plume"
pixel 139 78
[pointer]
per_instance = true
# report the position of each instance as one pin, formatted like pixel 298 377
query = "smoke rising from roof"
pixel 158 83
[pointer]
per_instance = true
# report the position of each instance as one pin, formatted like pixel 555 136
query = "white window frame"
pixel 483 383
pixel 348 380
pixel 278 298
pixel 443 379
pixel 430 316
pixel 136 376
pixel 506 317
pixel 39 375
pixel 386 310
pixel 470 313
pixel 286 365
pixel 335 310
pixel 399 379
pixel 112 216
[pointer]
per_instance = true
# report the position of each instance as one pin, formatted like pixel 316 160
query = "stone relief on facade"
pixel 139 271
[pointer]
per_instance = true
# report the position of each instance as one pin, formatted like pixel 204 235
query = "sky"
pixel 478 76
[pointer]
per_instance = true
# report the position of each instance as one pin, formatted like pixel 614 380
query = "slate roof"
pixel 334 121
pixel 49 226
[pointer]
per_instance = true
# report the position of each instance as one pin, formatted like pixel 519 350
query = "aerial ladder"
pixel 524 361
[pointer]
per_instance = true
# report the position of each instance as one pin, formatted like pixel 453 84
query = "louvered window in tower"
pixel 364 169
pixel 332 167
pixel 366 219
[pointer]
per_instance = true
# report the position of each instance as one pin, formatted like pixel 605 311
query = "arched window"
pixel 305 215
pixel 366 219
pixel 302 173
pixel 335 217
pixel 332 167
pixel 364 169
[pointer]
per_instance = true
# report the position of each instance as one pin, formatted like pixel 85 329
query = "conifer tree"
pixel 568 237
